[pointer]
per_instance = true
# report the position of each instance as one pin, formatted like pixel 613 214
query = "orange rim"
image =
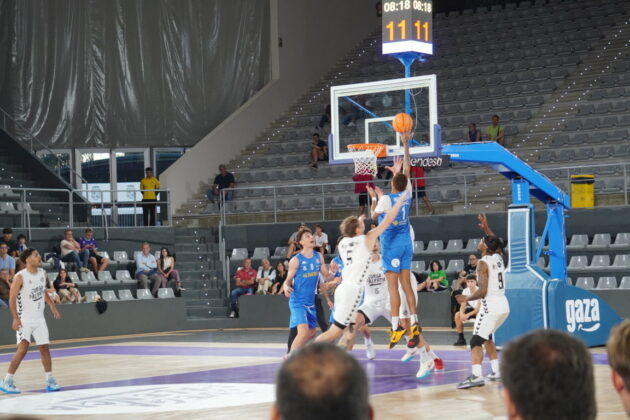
pixel 379 150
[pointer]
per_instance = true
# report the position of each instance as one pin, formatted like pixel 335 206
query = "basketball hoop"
pixel 365 155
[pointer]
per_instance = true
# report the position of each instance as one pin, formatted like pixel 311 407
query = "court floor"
pixel 228 374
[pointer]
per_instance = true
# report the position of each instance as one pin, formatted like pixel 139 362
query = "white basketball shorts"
pixel 490 317
pixel 36 329
pixel 347 302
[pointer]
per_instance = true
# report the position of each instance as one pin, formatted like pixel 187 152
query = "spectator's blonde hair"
pixel 349 226
pixel 618 349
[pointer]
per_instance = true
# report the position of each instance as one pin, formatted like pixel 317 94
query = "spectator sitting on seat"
pixel 294 246
pixel 50 289
pixel 321 381
pixel 321 240
pixel 281 276
pixel 5 287
pixel 319 150
pixel 495 132
pixel 420 185
pixel 618 349
pixel 67 290
pixel 223 180
pixel 361 184
pixel 473 134
pixel 146 270
pixel 548 374
pixel 265 277
pixel 7 262
pixel 436 280
pixel 71 252
pixel 89 243
pixel 466 311
pixel 244 281
pixel 166 268
pixel 19 247
pixel 471 267
pixel 7 238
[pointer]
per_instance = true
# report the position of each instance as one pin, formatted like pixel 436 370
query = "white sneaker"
pixel 232 314
pixel 471 382
pixel 493 377
pixel 409 355
pixel 52 386
pixel 426 367
pixel 369 350
pixel 9 388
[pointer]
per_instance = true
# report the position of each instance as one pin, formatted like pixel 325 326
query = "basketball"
pixel 402 123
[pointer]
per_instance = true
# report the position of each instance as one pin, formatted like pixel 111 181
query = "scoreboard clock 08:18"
pixel 407 26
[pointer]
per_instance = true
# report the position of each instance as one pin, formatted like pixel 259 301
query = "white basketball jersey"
pixel 496 277
pixel 356 259
pixel 376 284
pixel 30 299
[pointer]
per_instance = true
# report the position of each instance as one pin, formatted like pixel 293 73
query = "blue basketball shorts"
pixel 302 314
pixel 397 252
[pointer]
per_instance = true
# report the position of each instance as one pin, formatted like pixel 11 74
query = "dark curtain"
pixel 111 73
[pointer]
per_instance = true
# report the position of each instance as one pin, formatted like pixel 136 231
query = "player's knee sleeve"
pixel 476 341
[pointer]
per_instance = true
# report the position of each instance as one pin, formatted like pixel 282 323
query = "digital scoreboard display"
pixel 408 26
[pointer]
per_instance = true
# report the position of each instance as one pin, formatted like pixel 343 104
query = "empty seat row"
pixel 451 268
pixel 125 294
pixel 599 262
pixel 453 246
pixel 603 283
pixel 585 153
pixel 600 240
pixel 88 278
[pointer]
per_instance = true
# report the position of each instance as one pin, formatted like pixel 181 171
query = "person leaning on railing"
pixel 149 197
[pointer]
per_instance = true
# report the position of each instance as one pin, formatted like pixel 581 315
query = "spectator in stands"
pixel 548 374
pixel 50 289
pixel 356 112
pixel 319 150
pixel 419 182
pixel 19 247
pixel 88 243
pixel 361 184
pixel 166 268
pixel 71 252
pixel 321 240
pixel 471 266
pixel 7 238
pixel 618 349
pixel 436 280
pixel 146 270
pixel 495 131
pixel 281 276
pixel 7 262
pixel 5 287
pixel 325 118
pixel 66 289
pixel 244 282
pixel 223 180
pixel 321 381
pixel 473 134
pixel 294 246
pixel 149 197
pixel 468 310
pixel 264 277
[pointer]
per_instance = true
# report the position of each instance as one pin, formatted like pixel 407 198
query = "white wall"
pixel 316 34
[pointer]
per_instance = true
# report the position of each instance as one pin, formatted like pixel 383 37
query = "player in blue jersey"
pixel 301 286
pixel 397 247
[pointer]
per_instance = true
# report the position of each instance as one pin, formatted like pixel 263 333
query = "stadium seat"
pixel 121 257
pixel 622 240
pixel 621 261
pixel 103 254
pixel 585 282
pixel 454 266
pixel 434 247
pixel 91 296
pixel 88 277
pixel 52 277
pixel 125 294
pixel 166 293
pixel 578 262
pixel 109 295
pixel 124 277
pixel 625 282
pixel 454 245
pixel 418 247
pixel 260 253
pixel 578 242
pixel 472 245
pixel 26 207
pixel 280 251
pixel 418 266
pixel 607 283
pixel 239 253
pixel 8 208
pixel 600 240
pixel 144 294
pixel 74 278
pixel 599 262
pixel 106 277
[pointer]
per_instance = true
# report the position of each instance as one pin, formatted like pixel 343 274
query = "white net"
pixel 364 161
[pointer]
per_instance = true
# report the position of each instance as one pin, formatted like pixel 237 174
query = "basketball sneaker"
pixel 369 350
pixel 493 377
pixel 460 342
pixel 395 336
pixel 409 355
pixel 426 366
pixel 471 382
pixel 51 385
pixel 439 364
pixel 414 340
pixel 8 387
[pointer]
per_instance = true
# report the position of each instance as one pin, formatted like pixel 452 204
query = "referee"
pixel 148 185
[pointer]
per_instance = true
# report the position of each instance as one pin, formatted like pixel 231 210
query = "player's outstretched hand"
pixel 17 324
pixel 379 192
pixel 287 290
pixel 483 222
pixel 397 166
pixel 55 313
pixel 371 192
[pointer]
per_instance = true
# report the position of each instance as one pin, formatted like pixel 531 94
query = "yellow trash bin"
pixel 582 191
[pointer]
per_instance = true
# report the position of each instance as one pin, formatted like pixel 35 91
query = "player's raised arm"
pixel 482 278
pixel 16 286
pixel 405 137
pixel 287 287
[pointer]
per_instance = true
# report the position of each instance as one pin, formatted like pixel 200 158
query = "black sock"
pixel 461 335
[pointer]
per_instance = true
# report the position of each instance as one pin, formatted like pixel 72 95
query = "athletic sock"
pixel 49 376
pixel 495 367
pixel 476 370
pixel 423 354
pixel 8 378
pixel 414 319
pixel 394 323
pixel 432 355
pixel 367 340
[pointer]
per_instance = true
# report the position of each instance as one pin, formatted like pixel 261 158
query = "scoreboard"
pixel 408 26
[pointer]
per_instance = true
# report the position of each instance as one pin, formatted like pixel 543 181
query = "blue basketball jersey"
pixel 306 280
pixel 401 222
pixel 337 259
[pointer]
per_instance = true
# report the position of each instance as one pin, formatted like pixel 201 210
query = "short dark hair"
pixel 493 243
pixel 548 374
pixel 315 134
pixel 7 231
pixel 26 253
pixel 322 381
pixel 435 262
pixel 4 244
pixel 471 277
pixel 20 236
pixel 400 182
pixel 148 168
pixel 496 116
pixel 301 233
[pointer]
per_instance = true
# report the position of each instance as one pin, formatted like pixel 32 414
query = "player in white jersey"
pixel 355 252
pixel 27 300
pixel 494 310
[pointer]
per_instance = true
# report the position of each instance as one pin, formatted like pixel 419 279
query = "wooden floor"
pixel 230 374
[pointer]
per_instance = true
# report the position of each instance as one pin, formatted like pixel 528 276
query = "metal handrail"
pixel 42 145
